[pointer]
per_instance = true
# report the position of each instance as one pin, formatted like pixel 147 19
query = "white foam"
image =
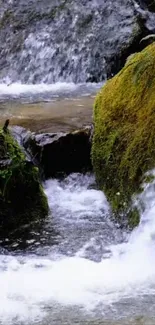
pixel 59 88
pixel 28 284
pixel 74 200
pixel 18 88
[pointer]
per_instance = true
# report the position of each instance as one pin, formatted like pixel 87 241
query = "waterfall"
pixel 65 41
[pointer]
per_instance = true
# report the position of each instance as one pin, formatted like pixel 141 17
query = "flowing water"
pixel 66 38
pixel 78 267
pixel 48 108
pixel 81 268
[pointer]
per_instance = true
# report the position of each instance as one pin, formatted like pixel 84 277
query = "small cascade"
pixel 91 268
pixel 64 41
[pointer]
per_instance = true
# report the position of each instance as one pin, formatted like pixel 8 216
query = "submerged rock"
pixel 22 200
pixel 60 153
pixel 124 137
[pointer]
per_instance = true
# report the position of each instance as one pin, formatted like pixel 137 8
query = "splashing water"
pixel 93 265
pixel 45 92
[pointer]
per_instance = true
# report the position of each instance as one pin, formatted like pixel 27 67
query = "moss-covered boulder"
pixel 124 131
pixel 22 200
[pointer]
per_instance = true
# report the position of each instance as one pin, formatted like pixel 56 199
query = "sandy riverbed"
pixel 59 115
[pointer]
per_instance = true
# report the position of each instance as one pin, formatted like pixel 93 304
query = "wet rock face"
pixel 60 154
pixel 66 40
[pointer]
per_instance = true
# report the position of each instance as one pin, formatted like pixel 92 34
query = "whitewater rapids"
pixel 93 266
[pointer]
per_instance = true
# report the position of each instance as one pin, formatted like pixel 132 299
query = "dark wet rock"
pixel 148 40
pixel 60 153
pixel 22 200
pixel 50 41
pixel 147 4
pixel 115 63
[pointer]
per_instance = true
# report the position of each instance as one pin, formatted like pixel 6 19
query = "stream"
pixel 48 108
pixel 81 268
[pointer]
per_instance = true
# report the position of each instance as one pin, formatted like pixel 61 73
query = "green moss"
pixel 22 199
pixel 149 178
pixel 124 137
pixel 133 218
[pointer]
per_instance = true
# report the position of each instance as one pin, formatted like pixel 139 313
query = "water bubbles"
pixel 90 267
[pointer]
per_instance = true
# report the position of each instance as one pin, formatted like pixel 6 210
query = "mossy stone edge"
pixel 123 147
pixel 22 199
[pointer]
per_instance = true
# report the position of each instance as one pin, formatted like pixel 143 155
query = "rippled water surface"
pixel 48 108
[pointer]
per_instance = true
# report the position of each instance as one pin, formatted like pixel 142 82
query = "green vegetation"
pixel 124 137
pixel 22 199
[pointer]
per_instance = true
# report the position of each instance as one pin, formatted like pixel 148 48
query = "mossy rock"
pixel 22 200
pixel 124 130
